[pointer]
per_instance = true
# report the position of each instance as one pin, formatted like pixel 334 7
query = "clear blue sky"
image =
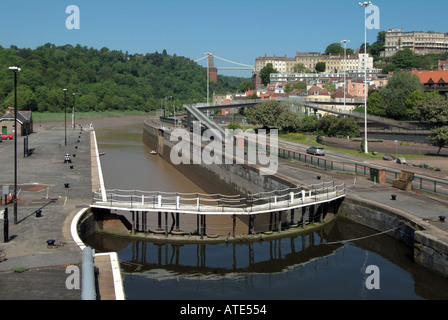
pixel 237 30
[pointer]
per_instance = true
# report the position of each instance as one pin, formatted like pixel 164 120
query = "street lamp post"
pixel 365 4
pixel 73 114
pixel 65 114
pixel 345 67
pixel 15 70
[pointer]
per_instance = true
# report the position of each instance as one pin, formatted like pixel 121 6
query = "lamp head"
pixel 15 69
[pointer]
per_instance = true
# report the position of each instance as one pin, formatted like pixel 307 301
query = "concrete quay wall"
pixel 430 244
pixel 236 178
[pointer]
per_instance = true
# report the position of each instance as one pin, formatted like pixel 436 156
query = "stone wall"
pixel 429 243
pixel 233 178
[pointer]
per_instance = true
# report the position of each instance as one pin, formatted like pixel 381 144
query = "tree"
pixel 346 126
pixel 337 49
pixel 375 103
pixel 308 124
pixel 397 90
pixel 334 49
pixel 378 46
pixel 265 113
pixel 265 73
pixel 300 68
pixel 107 79
pixel 321 67
pixel 329 86
pixel 326 124
pixel 404 59
pixel 433 109
pixel 300 85
pixel 288 121
pixel 245 86
pixel 439 137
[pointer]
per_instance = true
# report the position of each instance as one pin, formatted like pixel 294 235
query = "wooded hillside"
pixel 103 79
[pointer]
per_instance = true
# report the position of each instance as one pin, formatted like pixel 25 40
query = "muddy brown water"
pixel 316 265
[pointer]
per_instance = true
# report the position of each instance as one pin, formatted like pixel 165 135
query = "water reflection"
pixel 300 267
pixel 337 269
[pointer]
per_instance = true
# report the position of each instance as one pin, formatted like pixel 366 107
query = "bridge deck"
pixel 195 205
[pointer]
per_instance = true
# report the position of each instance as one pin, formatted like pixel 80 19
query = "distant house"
pixel 434 80
pixel 24 120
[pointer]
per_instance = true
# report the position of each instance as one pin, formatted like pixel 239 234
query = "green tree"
pixel 439 137
pixel 346 126
pixel 265 73
pixel 288 121
pixel 326 124
pixel 397 90
pixel 320 66
pixel 433 109
pixel 245 86
pixel 329 86
pixel 308 124
pixel 300 85
pixel 404 59
pixel 300 68
pixel 265 114
pixel 334 49
pixel 337 49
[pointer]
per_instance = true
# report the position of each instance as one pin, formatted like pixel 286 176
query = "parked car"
pixel 5 136
pixel 319 151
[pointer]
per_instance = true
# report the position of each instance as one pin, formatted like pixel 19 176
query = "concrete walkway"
pixel 41 179
pixel 41 185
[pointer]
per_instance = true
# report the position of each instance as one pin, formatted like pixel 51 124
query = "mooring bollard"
pixel 66 185
pixel 394 197
pixel 38 213
pixel 442 218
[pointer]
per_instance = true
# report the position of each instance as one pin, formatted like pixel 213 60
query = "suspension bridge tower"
pixel 212 71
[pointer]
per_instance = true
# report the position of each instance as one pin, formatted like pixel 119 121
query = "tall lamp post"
pixel 15 70
pixel 365 4
pixel 73 114
pixel 65 114
pixel 345 67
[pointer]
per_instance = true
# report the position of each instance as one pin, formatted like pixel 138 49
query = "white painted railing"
pixel 195 203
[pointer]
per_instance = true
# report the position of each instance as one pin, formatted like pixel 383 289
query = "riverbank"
pixel 33 270
pixel 40 247
pixel 371 203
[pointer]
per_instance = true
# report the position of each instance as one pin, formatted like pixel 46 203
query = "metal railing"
pixel 419 183
pixel 219 203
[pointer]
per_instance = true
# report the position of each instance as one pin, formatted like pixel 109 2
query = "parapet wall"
pixel 429 243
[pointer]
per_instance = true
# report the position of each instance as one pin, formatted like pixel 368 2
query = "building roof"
pixel 317 91
pixel 436 76
pixel 340 94
pixel 22 116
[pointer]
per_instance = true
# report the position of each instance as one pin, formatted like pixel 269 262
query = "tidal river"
pixel 310 266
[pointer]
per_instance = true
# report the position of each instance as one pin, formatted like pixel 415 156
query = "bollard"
pixel 38 213
pixel 442 218
pixel 5 226
pixel 88 275
pixel 66 185
pixel 394 197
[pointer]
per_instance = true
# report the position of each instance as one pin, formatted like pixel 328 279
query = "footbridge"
pixel 338 108
pixel 205 205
